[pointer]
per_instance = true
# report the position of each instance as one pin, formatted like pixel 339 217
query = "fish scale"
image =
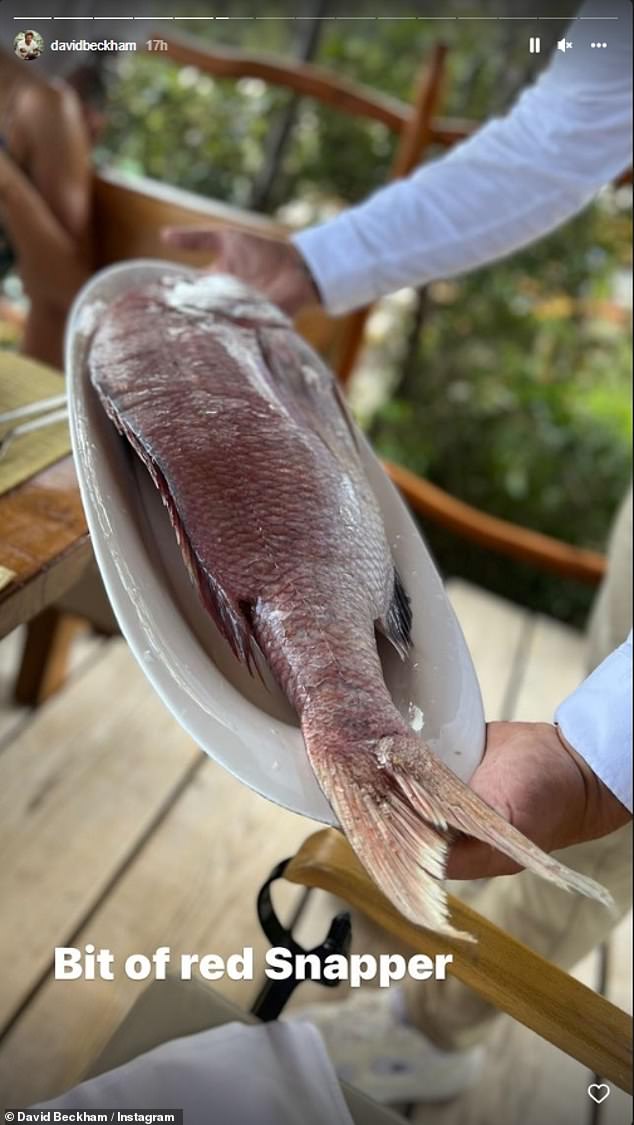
pixel 246 436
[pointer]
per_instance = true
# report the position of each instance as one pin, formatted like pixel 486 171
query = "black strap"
pixel 275 993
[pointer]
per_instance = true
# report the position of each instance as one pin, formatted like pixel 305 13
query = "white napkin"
pixel 269 1074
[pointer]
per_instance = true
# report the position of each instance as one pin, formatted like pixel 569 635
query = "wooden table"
pixel 44 540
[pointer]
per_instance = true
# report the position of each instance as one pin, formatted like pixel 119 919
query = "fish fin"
pixel 231 616
pixel 397 623
pixel 399 806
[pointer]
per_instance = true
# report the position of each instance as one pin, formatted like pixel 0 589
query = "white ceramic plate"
pixel 247 727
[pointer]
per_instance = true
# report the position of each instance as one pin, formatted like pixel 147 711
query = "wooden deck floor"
pixel 116 830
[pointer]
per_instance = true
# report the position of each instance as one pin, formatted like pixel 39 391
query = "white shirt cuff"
pixel 343 271
pixel 597 722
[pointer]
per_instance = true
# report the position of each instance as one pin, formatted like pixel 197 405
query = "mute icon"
pixel 564 45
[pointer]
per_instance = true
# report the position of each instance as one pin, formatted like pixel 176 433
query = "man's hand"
pixel 273 267
pixel 534 778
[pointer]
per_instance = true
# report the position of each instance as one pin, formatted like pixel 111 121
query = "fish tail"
pixel 401 807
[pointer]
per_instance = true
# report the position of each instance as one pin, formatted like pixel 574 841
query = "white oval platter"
pixel 246 726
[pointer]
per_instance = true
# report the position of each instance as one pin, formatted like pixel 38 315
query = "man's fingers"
pixel 192 238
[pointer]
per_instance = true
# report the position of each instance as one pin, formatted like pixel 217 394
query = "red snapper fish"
pixel 246 436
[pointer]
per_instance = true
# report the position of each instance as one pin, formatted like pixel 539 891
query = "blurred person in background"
pixel 45 194
pixel 565 784
pixel 48 120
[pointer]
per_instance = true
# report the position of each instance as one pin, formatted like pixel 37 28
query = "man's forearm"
pixel 515 180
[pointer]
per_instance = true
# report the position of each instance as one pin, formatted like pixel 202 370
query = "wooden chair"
pixel 415 125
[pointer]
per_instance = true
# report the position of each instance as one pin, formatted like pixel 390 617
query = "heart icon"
pixel 599 1093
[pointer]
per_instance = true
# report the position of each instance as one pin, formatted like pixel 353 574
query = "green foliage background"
pixel 513 396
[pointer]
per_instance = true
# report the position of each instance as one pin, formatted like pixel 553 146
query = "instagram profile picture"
pixel 28 45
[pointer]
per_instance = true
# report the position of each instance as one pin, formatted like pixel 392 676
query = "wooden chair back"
pixel 129 215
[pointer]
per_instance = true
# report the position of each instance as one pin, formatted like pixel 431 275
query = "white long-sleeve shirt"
pixel 516 179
